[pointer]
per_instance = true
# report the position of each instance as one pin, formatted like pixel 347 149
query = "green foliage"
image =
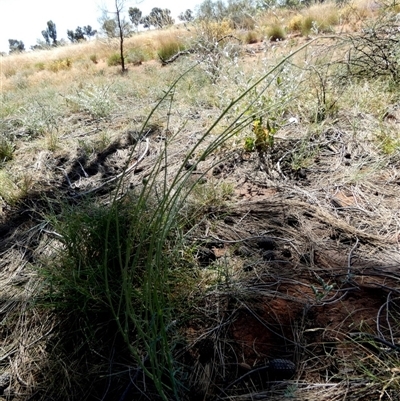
pixel 95 100
pixel 119 261
pixel 7 148
pixel 135 15
pixel 8 189
pixel 60 64
pixel 251 37
pixel 389 144
pixel 93 58
pixel 136 56
pixel 168 48
pixel 264 135
pixel 114 59
pixel 206 195
pixel 40 66
pixel 249 144
pixel 111 26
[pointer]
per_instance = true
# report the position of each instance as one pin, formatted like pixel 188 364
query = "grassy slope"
pixel 289 251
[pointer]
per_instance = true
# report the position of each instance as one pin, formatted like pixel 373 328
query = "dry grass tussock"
pixel 225 227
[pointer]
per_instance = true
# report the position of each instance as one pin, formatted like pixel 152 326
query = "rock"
pixel 5 380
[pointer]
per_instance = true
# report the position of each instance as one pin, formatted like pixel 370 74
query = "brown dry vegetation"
pixel 283 240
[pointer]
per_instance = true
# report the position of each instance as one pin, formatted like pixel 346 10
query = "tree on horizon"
pixel 50 33
pixel 16 46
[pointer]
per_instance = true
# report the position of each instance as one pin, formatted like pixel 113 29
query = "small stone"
pixel 5 380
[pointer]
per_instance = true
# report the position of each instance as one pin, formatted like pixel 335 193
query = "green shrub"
pixel 136 56
pixel 60 64
pixel 169 48
pixel 40 66
pixel 296 23
pixel 276 32
pixel 93 58
pixel 6 150
pixel 306 25
pixel 114 60
pixel 251 37
pixel 95 100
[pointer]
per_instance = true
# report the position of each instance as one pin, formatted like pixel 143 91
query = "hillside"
pixel 223 226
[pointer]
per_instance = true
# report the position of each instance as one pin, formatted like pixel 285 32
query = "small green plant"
pixel 9 191
pixel 264 135
pixel 95 100
pixel 388 143
pixel 212 194
pixel 93 58
pixel 136 56
pixel 307 25
pixel 114 60
pixel 325 289
pixel 40 66
pixel 296 23
pixel 249 144
pixel 7 148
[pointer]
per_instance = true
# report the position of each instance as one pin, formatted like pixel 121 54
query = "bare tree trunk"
pixel 118 9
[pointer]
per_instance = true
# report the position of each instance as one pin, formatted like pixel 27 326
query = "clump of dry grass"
pixel 275 32
pixel 251 37
pixel 168 45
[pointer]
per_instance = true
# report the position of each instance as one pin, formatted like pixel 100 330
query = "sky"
pixel 26 19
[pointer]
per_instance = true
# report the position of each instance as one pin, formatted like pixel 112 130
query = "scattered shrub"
pixel 252 37
pixel 213 31
pixel 295 24
pixel 276 32
pixel 95 100
pixel 114 60
pixel 306 25
pixel 60 64
pixel 93 58
pixel 40 66
pixel 9 71
pixel 169 47
pixel 136 56
pixel 6 150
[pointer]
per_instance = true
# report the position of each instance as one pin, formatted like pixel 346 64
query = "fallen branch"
pixel 118 176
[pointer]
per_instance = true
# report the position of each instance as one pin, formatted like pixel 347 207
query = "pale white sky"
pixel 25 19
